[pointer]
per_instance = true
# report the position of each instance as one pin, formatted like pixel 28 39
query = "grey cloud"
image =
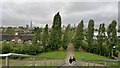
pixel 71 12
pixel 19 13
pixel 99 12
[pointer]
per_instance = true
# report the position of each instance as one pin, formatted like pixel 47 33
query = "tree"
pixel 114 39
pixel 55 35
pixel 6 48
pixel 90 34
pixel 79 36
pixel 37 43
pixel 119 50
pixel 35 29
pixel 112 36
pixel 66 38
pixel 9 30
pixel 45 38
pixel 101 39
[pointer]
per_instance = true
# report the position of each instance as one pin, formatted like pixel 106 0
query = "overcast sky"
pixel 41 13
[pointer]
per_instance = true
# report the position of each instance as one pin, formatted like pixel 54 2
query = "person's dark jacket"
pixel 70 60
pixel 73 59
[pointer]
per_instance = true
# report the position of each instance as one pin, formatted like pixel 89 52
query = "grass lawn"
pixel 53 55
pixel 60 55
pixel 89 56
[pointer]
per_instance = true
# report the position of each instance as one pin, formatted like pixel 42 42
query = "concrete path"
pixel 70 53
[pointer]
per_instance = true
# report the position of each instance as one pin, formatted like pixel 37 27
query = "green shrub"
pixel 6 48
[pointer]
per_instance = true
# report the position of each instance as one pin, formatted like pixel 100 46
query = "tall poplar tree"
pixel 66 38
pixel 79 36
pixel 112 36
pixel 45 38
pixel 55 35
pixel 37 48
pixel 101 38
pixel 90 34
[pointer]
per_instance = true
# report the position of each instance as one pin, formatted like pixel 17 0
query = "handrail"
pixel 103 60
pixel 32 56
pixel 21 55
pixel 13 54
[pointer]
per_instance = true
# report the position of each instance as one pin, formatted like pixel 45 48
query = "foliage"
pixel 35 29
pixel 79 36
pixel 20 48
pixel 90 34
pixel 37 41
pixel 112 37
pixel 56 34
pixel 45 38
pixel 100 36
pixel 66 38
pixel 85 45
pixel 6 48
pixel 49 39
pixel 8 30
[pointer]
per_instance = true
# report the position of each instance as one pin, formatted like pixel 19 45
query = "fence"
pixel 99 63
pixel 28 60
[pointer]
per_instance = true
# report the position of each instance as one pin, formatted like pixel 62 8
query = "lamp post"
pixel 113 50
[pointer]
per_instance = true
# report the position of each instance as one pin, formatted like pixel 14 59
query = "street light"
pixel 114 47
pixel 113 50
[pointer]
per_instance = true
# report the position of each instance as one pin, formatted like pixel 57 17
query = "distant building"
pixel 31 25
pixel 27 26
pixel 18 38
pixel 21 27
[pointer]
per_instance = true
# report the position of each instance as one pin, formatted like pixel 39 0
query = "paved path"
pixel 70 52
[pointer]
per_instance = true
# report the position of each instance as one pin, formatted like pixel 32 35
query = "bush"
pixel 85 45
pixel 95 47
pixel 6 48
pixel 21 48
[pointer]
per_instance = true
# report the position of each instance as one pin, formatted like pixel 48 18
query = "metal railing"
pixel 46 61
pixel 11 54
pixel 103 63
pixel 33 60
